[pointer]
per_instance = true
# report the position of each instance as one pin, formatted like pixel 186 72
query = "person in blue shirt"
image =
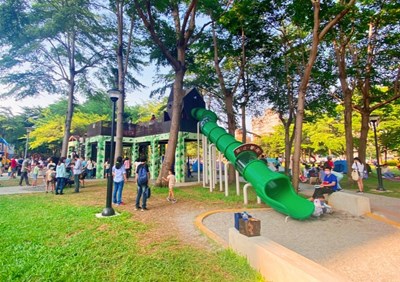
pixel 328 186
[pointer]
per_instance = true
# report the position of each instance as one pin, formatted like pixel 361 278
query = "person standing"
pixel 24 172
pixel 13 165
pixel 106 168
pixel 1 165
pixel 35 173
pixel 83 174
pixel 77 171
pixel 359 167
pixel 142 179
pixel 171 184
pixel 50 179
pixel 119 176
pixel 61 175
pixel 127 165
pixel 89 169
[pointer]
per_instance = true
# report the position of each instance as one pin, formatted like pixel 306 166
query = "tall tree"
pixel 171 25
pixel 56 41
pixel 318 35
pixel 128 58
pixel 367 64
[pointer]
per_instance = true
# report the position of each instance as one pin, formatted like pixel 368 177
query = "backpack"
pixel 142 175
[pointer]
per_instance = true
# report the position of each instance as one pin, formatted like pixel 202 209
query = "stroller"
pixel 69 179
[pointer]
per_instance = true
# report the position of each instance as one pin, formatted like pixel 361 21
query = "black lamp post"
pixel 374 121
pixel 108 210
pixel 28 130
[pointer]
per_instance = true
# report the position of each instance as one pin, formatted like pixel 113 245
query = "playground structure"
pixel 6 149
pixel 147 140
pixel 273 188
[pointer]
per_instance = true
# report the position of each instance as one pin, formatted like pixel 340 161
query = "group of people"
pixel 330 183
pixel 142 177
pixel 55 174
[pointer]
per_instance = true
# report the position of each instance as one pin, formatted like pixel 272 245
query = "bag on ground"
pixel 355 175
pixel 317 208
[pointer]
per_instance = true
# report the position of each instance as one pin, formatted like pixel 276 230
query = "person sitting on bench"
pixel 386 171
pixel 328 186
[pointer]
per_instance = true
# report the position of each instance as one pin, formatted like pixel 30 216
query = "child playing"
pixel 35 174
pixel 9 172
pixel 50 179
pixel 171 183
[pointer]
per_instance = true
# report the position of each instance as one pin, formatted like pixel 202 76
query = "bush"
pixel 392 163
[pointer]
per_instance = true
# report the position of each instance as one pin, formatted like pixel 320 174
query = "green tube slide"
pixel 273 188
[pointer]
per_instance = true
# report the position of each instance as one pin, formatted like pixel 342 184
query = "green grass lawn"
pixel 58 240
pixel 370 185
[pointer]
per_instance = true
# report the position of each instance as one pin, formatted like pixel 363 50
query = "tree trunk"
pixel 302 98
pixel 169 159
pixel 121 84
pixel 362 150
pixel 340 52
pixel 68 119
pixel 288 147
pixel 244 129
pixel 230 112
pixel 71 91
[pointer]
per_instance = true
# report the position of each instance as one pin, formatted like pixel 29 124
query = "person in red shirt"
pixel 329 162
pixel 13 164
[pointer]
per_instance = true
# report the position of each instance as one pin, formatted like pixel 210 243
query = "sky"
pixel 43 100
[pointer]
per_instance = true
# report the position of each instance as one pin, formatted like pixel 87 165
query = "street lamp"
pixel 28 130
pixel 114 95
pixel 374 121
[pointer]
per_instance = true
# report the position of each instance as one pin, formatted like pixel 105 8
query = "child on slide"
pixel 171 183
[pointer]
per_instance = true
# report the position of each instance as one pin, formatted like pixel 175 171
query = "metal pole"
pixel 211 167
pixel 226 179
pixel 198 152
pixel 220 172
pixel 108 210
pixel 378 166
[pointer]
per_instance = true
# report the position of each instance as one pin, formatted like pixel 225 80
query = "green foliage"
pixel 392 163
pixel 273 144
pixel 43 43
pixel 49 129
pixel 325 136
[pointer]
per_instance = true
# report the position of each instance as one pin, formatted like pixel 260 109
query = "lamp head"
pixel 114 94
pixel 374 119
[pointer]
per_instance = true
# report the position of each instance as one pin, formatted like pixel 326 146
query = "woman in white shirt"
pixel 359 166
pixel 119 175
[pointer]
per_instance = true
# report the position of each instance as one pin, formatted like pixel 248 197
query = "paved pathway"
pixel 359 248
